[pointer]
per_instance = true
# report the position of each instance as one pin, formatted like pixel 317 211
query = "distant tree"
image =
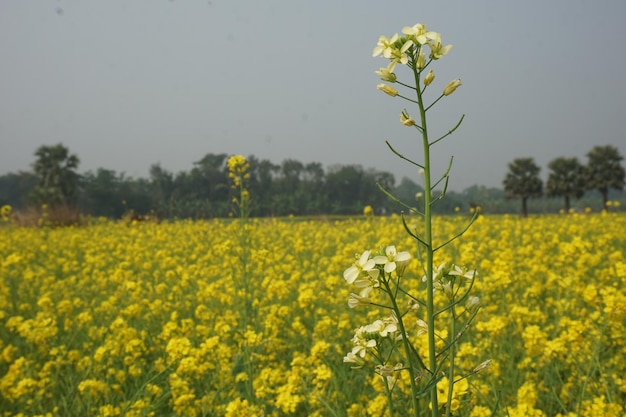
pixel 604 171
pixel 487 199
pixel 313 188
pixel 372 195
pixel 523 182
pixel 289 198
pixel 100 194
pixel 162 183
pixel 58 180
pixel 211 175
pixel 343 188
pixel 407 191
pixel 15 187
pixel 202 192
pixel 137 194
pixel 349 188
pixel 566 179
pixel 262 175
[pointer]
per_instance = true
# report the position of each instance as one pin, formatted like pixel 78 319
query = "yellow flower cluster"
pixel 144 320
pixel 238 170
pixel 5 212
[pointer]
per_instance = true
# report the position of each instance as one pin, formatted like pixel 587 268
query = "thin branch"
pixel 417 300
pixel 457 336
pixel 445 174
pixel 402 156
pixel 410 232
pixel 449 132
pixel 460 300
pixel 458 235
pixel 406 98
pixel 442 194
pixel 395 199
pixel 433 103
pixel 403 84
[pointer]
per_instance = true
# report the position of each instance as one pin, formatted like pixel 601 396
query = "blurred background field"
pixel 164 319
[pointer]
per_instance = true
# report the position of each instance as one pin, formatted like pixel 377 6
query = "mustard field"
pixel 216 319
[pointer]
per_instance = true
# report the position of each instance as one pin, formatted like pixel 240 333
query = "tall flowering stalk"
pixel 238 169
pixel 390 346
pixel 238 172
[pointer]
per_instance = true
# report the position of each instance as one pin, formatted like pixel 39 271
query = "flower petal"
pixel 403 256
pixel 351 274
pixel 380 260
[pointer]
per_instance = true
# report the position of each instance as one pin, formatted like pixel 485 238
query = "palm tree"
pixel 604 171
pixel 522 181
pixel 566 179
pixel 57 176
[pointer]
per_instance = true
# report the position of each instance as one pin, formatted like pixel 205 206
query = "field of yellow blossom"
pixel 215 318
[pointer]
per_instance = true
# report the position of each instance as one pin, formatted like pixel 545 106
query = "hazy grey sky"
pixel 125 84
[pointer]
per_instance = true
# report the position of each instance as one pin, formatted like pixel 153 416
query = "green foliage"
pixel 604 170
pixel 57 176
pixel 108 194
pixel 349 188
pixel 566 179
pixel 551 331
pixel 523 182
pixel 277 190
pixel 14 187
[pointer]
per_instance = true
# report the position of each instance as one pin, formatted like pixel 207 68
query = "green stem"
pixel 244 244
pixel 407 349
pixel 389 397
pixel 592 365
pixel 428 238
pixel 452 337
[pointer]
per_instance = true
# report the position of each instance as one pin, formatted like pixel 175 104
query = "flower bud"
pixel 472 302
pixel 406 119
pixel 421 60
pixel 401 267
pixel 387 89
pixel 356 360
pixel 452 85
pixel 429 77
pixel 485 365
pixel 386 75
pixel 422 327
pixel 356 300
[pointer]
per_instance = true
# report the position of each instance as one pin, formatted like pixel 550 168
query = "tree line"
pixel 204 191
pixel 292 187
pixel 567 177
